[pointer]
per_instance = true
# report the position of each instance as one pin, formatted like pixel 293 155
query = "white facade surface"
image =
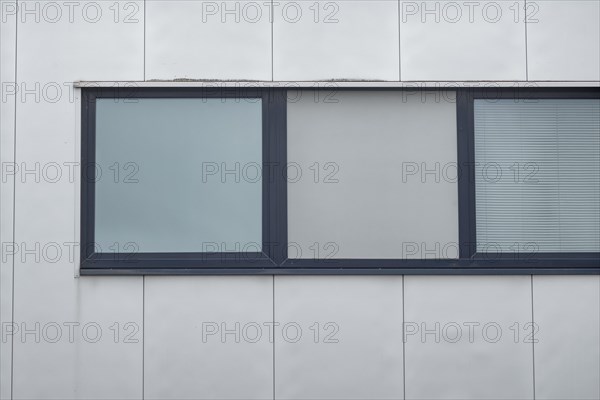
pixel 68 336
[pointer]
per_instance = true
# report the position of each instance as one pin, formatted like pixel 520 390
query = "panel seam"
pixel 273 337
pixel 399 43
pixel 271 14
pixel 14 206
pixel 403 342
pixel 526 44
pixel 533 337
pixel 143 336
pixel 144 66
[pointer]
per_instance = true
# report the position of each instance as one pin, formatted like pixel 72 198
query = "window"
pixel 537 181
pixel 175 179
pixel 367 194
pixel 327 181
pixel 532 198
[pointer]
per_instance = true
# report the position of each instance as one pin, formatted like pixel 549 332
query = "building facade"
pixel 385 103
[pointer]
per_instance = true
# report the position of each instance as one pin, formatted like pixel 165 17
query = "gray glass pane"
pixel 179 175
pixel 372 174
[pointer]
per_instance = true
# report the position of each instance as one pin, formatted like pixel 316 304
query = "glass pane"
pixel 179 175
pixel 372 175
pixel 537 176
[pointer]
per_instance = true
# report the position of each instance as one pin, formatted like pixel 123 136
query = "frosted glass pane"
pixel 372 175
pixel 179 175
pixel 537 175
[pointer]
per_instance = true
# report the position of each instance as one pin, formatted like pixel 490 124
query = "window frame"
pixel 273 260
pixel 274 192
pixel 551 263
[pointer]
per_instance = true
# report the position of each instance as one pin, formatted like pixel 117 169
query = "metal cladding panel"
pixel 76 334
pixel 346 39
pixel 7 136
pixel 567 351
pixel 208 40
pixel 468 337
pixel 88 40
pixel 462 41
pixel 338 338
pixel 563 40
pixel 208 338
pixel 72 343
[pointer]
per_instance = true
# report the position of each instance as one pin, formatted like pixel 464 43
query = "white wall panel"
pixel 196 39
pixel 467 359
pixel 445 40
pixel 46 289
pixel 97 359
pixel 563 40
pixel 567 354
pixel 189 354
pixel 7 119
pixel 88 40
pixel 357 356
pixel 86 43
pixel 319 40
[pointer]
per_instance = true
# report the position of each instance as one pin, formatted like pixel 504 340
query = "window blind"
pixel 537 175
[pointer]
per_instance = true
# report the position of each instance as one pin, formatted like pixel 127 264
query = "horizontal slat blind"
pixel 537 182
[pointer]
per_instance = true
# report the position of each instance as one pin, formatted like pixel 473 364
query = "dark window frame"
pixel 274 192
pixel 274 259
pixel 559 262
